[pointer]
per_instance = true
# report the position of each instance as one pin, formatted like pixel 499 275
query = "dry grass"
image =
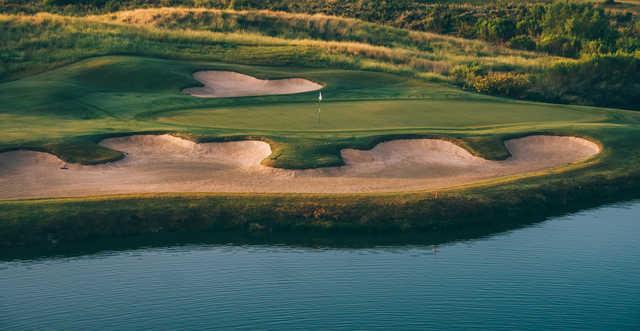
pixel 423 51
pixel 202 33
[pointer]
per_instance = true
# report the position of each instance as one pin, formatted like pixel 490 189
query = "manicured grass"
pixel 371 116
pixel 113 95
pixel 67 111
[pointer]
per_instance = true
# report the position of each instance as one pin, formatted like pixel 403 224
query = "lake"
pixel 580 271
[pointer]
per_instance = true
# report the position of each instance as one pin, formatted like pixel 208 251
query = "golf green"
pixel 68 110
pixel 380 115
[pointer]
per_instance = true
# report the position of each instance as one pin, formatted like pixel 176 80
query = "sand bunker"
pixel 222 84
pixel 169 164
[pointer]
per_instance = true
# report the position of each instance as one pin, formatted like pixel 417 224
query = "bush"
pixel 464 74
pixel 497 29
pixel 594 47
pixel 605 80
pixel 560 45
pixel 511 84
pixel 628 44
pixel 523 42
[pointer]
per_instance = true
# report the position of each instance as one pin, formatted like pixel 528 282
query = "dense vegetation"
pixel 34 42
pixel 593 79
pixel 603 80
pixel 560 28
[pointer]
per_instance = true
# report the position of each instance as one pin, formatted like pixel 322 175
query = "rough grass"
pixel 39 42
pixel 305 26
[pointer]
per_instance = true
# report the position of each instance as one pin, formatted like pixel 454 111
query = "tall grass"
pixel 38 42
pixel 296 26
pixel 318 27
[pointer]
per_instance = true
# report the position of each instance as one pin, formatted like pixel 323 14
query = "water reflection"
pixel 359 240
pixel 432 239
pixel 577 272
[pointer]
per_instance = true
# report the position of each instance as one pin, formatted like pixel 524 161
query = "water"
pixel 574 272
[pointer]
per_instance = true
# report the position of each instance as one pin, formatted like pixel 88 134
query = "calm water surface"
pixel 575 272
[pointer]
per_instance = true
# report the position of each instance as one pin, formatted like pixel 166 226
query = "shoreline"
pixel 51 222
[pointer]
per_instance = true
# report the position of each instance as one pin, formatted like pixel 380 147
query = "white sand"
pixel 222 84
pixel 169 164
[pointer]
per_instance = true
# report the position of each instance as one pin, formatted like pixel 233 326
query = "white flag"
pixel 320 97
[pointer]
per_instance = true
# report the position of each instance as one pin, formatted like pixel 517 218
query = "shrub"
pixel 605 80
pixel 497 29
pixel 463 74
pixel 628 44
pixel 523 42
pixel 560 45
pixel 594 47
pixel 511 84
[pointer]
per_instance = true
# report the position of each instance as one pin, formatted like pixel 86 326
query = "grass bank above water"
pixel 62 221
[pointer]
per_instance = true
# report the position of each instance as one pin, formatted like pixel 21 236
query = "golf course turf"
pixel 69 110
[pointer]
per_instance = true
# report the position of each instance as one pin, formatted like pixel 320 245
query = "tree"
pixel 496 29
pixel 609 80
pixel 439 20
pixel 566 27
pixel 382 10
pixel 560 45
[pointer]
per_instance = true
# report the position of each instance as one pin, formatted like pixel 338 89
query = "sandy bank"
pixel 222 84
pixel 169 164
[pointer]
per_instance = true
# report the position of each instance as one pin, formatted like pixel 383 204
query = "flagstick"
pixel 319 101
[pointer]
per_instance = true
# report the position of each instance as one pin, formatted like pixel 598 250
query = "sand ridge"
pixel 224 84
pixel 165 163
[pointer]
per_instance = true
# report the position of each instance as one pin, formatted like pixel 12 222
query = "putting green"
pixel 379 115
